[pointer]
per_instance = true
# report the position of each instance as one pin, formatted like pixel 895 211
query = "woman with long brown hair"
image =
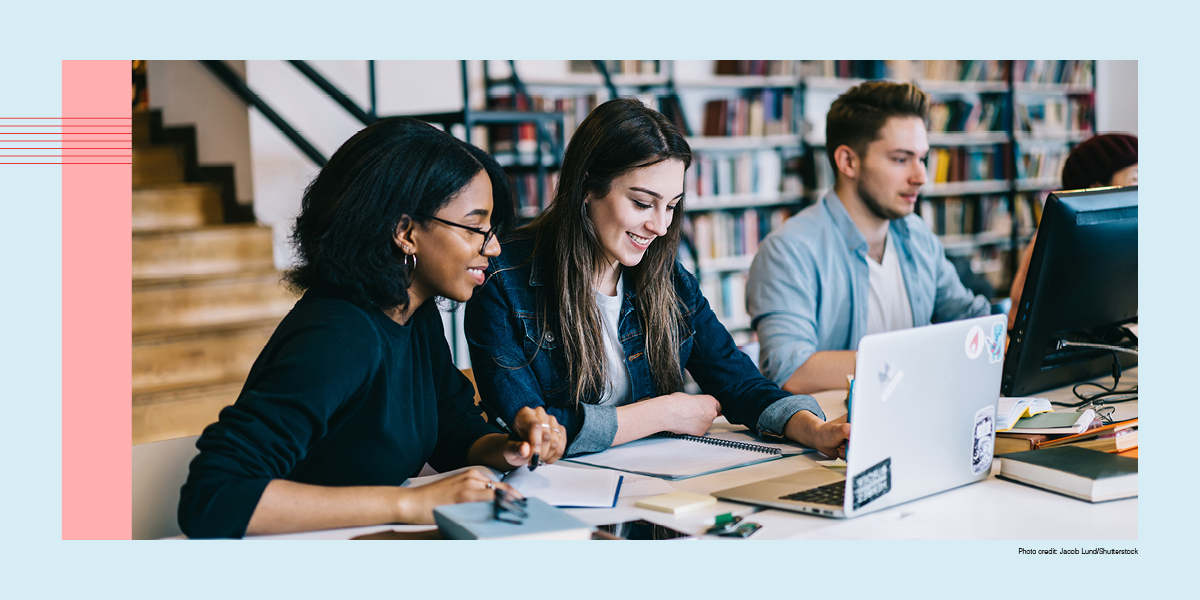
pixel 588 314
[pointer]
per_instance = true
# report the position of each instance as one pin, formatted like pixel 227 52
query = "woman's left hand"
pixel 541 435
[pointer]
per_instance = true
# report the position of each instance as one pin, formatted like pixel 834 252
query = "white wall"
pixel 1117 96
pixel 281 170
pixel 188 94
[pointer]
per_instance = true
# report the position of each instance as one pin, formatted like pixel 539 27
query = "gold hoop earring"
pixel 410 262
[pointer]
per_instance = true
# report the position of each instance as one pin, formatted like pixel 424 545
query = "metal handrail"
pixel 225 75
pixel 343 100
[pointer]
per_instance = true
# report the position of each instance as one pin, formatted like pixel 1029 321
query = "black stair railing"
pixel 235 84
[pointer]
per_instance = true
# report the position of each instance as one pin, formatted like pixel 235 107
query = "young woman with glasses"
pixel 356 389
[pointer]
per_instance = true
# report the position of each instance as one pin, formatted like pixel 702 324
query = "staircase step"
pixel 218 249
pixel 180 412
pixel 176 206
pixel 141 128
pixel 164 304
pixel 155 165
pixel 194 356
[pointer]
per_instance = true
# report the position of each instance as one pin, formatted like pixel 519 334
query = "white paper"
pixel 428 479
pixel 566 486
pixel 644 485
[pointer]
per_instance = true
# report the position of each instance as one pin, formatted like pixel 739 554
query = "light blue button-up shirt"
pixel 808 285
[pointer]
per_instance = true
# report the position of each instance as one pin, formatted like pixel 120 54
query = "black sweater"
pixel 340 396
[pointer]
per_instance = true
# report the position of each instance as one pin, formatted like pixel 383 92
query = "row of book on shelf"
pixel 1060 72
pixel 1056 115
pixel 989 113
pixel 966 215
pixel 725 234
pixel 967 163
pixel 757 172
pixel 756 113
pixel 1063 72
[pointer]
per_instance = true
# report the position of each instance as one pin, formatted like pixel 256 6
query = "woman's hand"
pixel 473 485
pixel 540 434
pixel 827 437
pixel 690 414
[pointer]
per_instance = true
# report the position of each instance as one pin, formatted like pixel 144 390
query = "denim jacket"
pixel 807 290
pixel 516 363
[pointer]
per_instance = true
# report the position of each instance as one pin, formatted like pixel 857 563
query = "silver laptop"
pixel 922 417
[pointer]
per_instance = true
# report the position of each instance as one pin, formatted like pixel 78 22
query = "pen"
pixel 534 460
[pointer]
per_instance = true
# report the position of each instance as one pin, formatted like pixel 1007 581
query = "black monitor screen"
pixel 1081 287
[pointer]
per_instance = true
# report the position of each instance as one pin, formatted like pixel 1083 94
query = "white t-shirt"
pixel 618 391
pixel 888 308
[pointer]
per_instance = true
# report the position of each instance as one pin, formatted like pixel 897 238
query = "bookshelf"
pixel 999 132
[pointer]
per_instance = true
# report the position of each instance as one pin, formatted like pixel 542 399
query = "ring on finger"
pixel 489 485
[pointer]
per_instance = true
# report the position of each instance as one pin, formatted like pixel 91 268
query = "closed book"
pixel 1017 442
pixel 1056 423
pixel 473 521
pixel 1077 472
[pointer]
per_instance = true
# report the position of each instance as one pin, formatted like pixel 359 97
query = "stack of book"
pixel 1117 438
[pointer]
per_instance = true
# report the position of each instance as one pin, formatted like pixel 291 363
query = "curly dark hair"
pixel 393 169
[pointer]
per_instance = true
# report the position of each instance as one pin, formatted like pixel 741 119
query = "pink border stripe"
pixel 96 320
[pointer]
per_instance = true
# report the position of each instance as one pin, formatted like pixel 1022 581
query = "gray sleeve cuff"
pixel 598 431
pixel 772 421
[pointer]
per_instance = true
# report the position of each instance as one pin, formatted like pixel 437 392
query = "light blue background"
pixel 37 38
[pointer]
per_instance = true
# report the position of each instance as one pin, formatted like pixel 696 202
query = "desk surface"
pixel 990 509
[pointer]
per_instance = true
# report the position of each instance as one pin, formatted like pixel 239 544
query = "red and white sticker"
pixel 975 342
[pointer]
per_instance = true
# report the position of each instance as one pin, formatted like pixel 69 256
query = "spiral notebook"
pixel 677 456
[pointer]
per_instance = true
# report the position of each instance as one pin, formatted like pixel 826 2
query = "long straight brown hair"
pixel 617 137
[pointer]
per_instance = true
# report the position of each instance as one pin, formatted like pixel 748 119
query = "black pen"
pixel 533 462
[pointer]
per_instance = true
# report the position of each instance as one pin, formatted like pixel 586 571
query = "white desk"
pixel 990 509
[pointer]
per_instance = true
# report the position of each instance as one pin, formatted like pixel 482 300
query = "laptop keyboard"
pixel 834 493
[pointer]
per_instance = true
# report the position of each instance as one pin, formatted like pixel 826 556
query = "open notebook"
pixel 675 456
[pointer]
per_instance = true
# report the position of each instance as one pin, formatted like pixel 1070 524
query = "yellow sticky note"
pixel 676 502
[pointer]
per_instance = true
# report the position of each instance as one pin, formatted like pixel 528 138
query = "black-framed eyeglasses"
pixel 487 234
pixel 508 509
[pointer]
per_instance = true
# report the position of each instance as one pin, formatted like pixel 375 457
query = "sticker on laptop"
pixel 872 483
pixel 975 342
pixel 889 378
pixel 984 436
pixel 995 343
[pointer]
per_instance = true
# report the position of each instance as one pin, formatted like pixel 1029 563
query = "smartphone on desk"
pixel 642 529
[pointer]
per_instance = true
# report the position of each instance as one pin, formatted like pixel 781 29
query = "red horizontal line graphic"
pixel 56 141
pixel 35 148
pixel 64 155
pixel 84 118
pixel 66 163
pixel 67 133
pixel 63 125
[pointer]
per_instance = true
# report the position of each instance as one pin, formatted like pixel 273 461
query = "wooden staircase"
pixel 206 295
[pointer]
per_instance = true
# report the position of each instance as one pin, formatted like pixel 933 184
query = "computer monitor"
pixel 1081 287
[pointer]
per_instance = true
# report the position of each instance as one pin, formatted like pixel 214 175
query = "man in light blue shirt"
pixel 858 261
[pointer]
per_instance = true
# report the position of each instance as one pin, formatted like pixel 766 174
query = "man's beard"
pixel 877 209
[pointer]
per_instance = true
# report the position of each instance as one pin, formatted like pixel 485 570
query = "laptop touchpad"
pixel 814 477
